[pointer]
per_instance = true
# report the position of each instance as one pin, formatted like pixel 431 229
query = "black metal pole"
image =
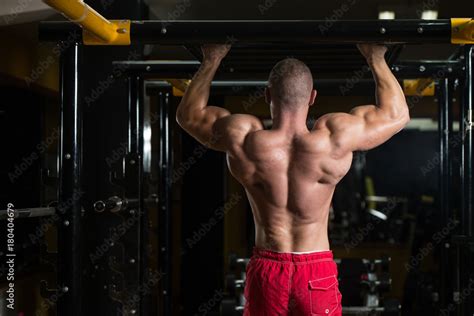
pixel 184 69
pixel 467 143
pixel 466 216
pixel 445 134
pixel 179 32
pixel 165 201
pixel 135 119
pixel 134 187
pixel 70 272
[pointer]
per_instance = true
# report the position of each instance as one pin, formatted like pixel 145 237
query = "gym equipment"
pixel 265 33
pixel 115 204
pixel 29 212
pixel 229 307
pixel 234 301
pixel 236 262
pixel 362 284
pixel 456 31
pixel 232 284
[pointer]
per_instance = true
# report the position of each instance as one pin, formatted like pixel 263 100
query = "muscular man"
pixel 290 173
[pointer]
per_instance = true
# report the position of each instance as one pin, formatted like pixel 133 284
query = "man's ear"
pixel 312 97
pixel 268 96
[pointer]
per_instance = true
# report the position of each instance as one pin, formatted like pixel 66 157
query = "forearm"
pixel 197 94
pixel 389 94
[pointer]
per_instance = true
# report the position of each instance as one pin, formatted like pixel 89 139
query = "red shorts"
pixel 292 284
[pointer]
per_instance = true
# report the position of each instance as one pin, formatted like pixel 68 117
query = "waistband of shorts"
pixel 292 257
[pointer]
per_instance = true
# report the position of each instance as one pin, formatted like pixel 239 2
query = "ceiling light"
pixel 386 15
pixel 429 15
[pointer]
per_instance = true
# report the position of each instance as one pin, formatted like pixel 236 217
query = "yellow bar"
pixel 179 86
pixel 419 87
pixel 123 35
pixel 462 31
pixel 97 29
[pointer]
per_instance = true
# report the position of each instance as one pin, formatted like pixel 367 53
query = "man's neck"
pixel 292 122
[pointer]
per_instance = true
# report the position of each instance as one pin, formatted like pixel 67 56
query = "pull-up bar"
pixel 97 29
pixel 456 31
pixel 183 69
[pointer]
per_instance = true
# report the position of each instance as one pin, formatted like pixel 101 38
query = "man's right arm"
pixel 368 126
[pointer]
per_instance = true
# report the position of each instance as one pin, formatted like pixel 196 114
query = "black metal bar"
pixel 70 272
pixel 445 134
pixel 116 204
pixel 145 302
pixel 185 69
pixel 327 87
pixel 138 274
pixel 467 141
pixel 466 216
pixel 30 212
pixel 255 89
pixel 273 31
pixel 135 141
pixel 165 201
pixel 437 69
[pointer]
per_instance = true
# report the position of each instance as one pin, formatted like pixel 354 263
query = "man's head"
pixel 290 86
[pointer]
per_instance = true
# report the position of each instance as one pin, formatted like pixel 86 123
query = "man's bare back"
pixel 290 172
pixel 289 180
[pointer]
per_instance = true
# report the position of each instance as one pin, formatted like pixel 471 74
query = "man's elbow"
pixel 400 115
pixel 405 117
pixel 182 117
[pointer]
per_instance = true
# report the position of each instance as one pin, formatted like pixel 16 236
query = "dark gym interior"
pixel 152 223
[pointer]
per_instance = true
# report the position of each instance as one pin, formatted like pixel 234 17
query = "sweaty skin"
pixel 290 172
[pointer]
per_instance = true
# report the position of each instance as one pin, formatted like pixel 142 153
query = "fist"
pixel 214 52
pixel 372 51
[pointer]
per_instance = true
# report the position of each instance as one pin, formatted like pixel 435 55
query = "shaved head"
pixel 290 84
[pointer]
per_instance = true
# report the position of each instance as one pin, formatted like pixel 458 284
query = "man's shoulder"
pixel 236 129
pixel 241 122
pixel 331 121
pixel 252 121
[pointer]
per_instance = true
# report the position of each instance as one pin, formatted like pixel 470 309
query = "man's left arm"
pixel 193 113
